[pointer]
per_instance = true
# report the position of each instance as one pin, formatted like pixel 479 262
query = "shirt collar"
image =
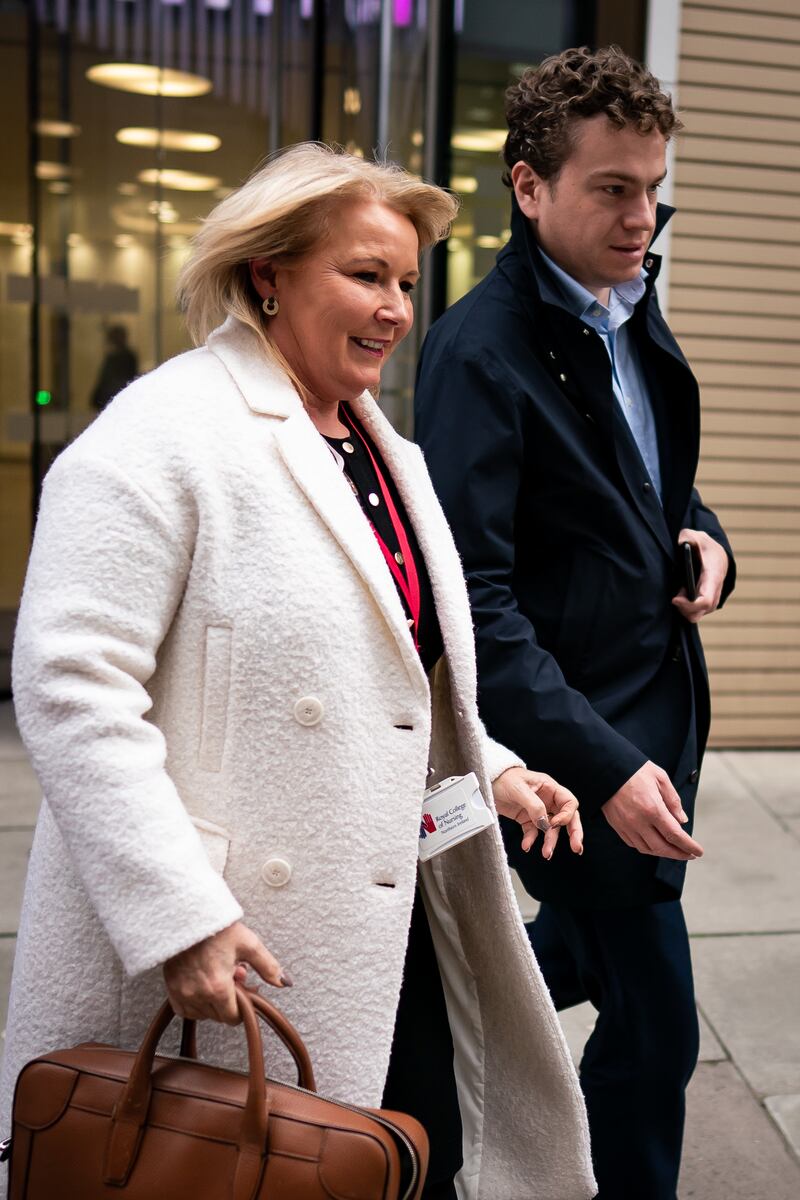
pixel 557 287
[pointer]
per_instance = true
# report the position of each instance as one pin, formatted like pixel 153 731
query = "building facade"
pixel 130 119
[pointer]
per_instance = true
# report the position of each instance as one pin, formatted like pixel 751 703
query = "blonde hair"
pixel 281 213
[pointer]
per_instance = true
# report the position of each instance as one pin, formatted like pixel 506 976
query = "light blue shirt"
pixel 627 377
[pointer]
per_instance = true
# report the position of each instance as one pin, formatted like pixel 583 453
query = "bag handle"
pixel 130 1112
pixel 278 1023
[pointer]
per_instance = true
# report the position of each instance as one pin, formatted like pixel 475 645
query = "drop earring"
pixel 271 306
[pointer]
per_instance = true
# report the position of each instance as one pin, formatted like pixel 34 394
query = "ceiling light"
pixel 53 170
pixel 482 141
pixel 135 220
pixel 74 240
pixel 128 189
pixel 417 137
pixel 179 181
pixel 464 183
pixel 148 81
pixel 352 101
pixel 454 244
pixel 59 129
pixel 123 241
pixel 168 139
pixel 21 239
pixel 59 188
pixel 488 241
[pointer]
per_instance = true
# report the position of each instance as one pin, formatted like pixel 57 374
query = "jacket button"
pixel 677 652
pixel 309 710
pixel 646 487
pixel 648 262
pixel 586 332
pixel 694 776
pixel 563 378
pixel 276 872
pixel 551 353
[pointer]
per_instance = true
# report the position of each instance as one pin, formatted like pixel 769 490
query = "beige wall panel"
pixel 724 631
pixel 718 445
pixel 756 422
pixel 752 658
pixel 750 399
pixel 732 470
pixel 700 19
pixel 714 324
pixel 721 48
pixel 746 178
pixel 752 588
pixel 737 278
pixel 767 566
pixel 694 97
pixel 773 129
pixel 753 731
pixel 757 613
pixel 773 354
pixel 697 148
pixel 754 683
pixel 767 704
pixel 759 206
pixel 718 300
pixel 762 521
pixel 745 493
pixel 744 228
pixel 747 374
pixel 789 7
pixel 736 251
pixel 773 541
pixel 737 74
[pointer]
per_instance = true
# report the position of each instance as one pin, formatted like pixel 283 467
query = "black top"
pixel 362 478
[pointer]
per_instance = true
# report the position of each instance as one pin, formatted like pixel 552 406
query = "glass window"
pixel 494 44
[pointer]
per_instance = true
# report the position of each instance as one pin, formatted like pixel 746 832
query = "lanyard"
pixel 408 580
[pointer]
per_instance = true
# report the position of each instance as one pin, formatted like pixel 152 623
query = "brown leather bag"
pixel 96 1121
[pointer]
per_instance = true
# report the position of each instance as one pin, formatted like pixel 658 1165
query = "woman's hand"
pixel 537 802
pixel 200 980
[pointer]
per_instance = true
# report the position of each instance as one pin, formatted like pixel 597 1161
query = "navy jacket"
pixel 585 668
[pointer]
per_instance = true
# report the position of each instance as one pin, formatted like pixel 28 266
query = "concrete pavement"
pixel 743 910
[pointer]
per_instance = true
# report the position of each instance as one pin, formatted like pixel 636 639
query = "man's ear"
pixel 262 276
pixel 528 188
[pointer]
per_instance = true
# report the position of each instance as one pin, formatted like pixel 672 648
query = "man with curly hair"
pixel 560 422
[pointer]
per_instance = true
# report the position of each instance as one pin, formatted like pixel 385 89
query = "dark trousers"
pixel 421 1080
pixel 634 966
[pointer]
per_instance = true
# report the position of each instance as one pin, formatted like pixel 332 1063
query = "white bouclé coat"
pixel 215 681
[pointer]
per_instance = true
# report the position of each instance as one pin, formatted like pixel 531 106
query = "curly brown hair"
pixel 543 106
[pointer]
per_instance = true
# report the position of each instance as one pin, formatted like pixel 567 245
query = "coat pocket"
pixel 216 687
pixel 216 843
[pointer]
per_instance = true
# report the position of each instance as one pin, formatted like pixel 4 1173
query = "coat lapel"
pixel 410 474
pixel 268 392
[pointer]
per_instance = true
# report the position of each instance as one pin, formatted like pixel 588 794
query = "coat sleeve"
pixel 469 426
pixel 698 516
pixel 106 574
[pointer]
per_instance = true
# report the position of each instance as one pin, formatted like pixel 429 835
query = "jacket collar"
pixel 264 386
pixel 523 242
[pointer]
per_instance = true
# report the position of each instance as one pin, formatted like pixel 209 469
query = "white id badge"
pixel 452 811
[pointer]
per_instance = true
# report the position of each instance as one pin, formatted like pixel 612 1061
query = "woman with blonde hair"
pixel 244 651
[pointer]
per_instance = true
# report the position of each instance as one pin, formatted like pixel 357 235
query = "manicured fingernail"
pixel 580 852
pixel 543 824
pixel 286 979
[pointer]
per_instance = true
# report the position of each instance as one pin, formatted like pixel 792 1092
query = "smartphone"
pixel 689 570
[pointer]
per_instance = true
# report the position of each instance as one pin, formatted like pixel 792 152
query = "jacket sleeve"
pixel 470 428
pixel 106 574
pixel 702 518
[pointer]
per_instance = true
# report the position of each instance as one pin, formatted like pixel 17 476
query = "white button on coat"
pixel 276 872
pixel 309 710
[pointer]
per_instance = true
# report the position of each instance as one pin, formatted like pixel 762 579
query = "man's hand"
pixel 537 802
pixel 647 814
pixel 713 569
pixel 200 980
